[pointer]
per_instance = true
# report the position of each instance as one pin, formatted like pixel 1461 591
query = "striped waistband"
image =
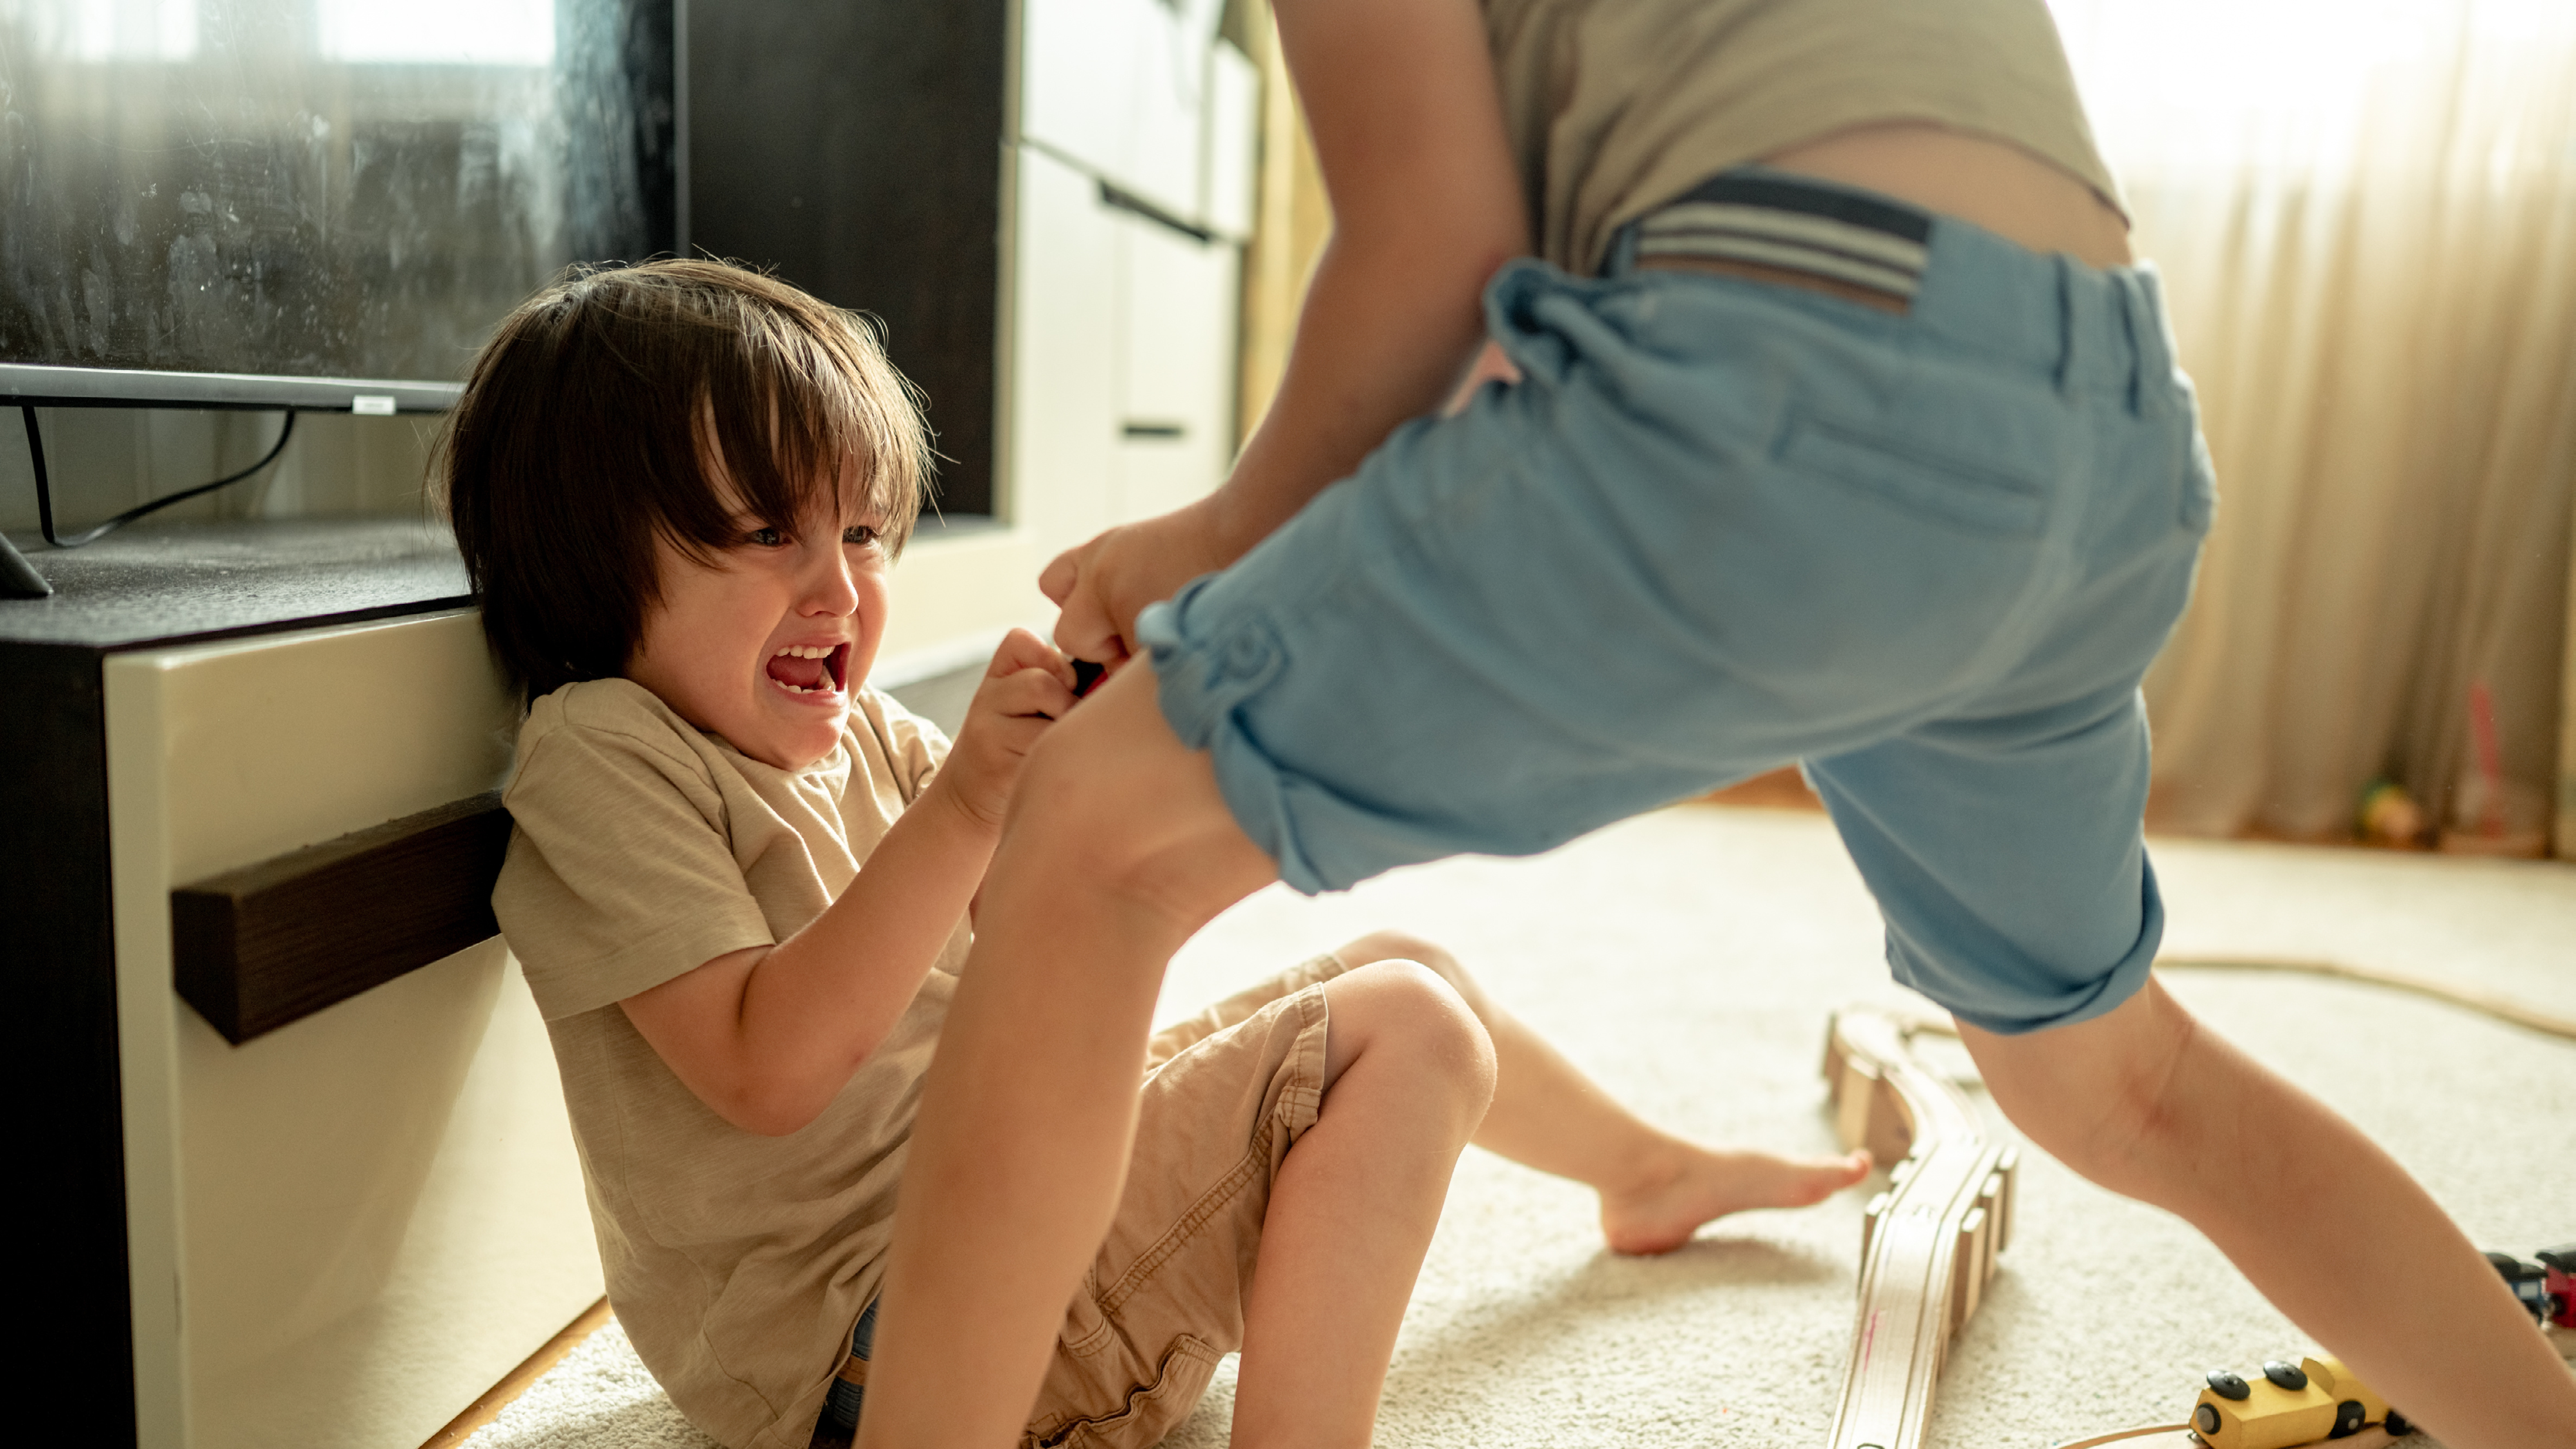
pixel 2101 329
pixel 1773 220
pixel 849 1387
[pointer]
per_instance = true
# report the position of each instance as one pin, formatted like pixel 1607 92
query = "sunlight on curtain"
pixel 2365 211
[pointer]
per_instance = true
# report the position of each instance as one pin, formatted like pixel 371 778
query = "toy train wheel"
pixel 2396 1425
pixel 2205 1419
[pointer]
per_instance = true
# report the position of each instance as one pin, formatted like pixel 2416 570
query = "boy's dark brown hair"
pixel 612 408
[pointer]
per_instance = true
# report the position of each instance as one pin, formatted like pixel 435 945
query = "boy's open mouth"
pixel 810 668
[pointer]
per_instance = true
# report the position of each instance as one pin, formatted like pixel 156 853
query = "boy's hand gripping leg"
pixel 1117 848
pixel 2148 1103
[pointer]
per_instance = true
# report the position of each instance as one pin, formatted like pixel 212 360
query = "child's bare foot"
pixel 1689 1185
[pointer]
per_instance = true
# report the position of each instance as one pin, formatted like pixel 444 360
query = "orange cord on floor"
pixel 2123 1434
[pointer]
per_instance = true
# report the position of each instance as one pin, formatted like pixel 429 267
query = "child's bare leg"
pixel 1117 848
pixel 2146 1102
pixel 1408 1073
pixel 1656 1188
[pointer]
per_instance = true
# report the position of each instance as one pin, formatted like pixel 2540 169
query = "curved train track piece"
pixel 1928 1243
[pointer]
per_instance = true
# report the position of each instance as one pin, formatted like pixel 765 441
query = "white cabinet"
pixel 341 1232
pixel 1234 142
pixel 1064 322
pixel 1132 197
pixel 1120 87
pixel 1123 364
pixel 1176 367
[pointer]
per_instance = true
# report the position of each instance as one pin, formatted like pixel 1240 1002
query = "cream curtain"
pixel 2365 212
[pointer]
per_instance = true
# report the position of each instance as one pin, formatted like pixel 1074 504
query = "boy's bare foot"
pixel 1689 1185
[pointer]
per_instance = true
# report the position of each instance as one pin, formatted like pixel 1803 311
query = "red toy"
pixel 2560 1285
pixel 2547 1288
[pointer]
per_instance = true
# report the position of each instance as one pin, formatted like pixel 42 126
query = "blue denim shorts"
pixel 842 1402
pixel 1725 524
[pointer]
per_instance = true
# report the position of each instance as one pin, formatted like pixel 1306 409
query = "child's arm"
pixel 2146 1102
pixel 767 1036
pixel 1408 129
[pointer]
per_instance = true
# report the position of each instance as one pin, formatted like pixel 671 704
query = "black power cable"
pixel 45 492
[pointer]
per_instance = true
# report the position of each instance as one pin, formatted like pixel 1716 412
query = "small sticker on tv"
pixel 372 404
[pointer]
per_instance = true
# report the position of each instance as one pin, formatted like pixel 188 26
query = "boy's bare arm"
pixel 767 1036
pixel 2146 1102
pixel 1408 129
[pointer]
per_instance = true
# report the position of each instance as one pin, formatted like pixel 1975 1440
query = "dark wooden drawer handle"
pixel 256 948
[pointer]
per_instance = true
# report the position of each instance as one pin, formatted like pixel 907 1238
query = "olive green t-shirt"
pixel 1617 106
pixel 644 848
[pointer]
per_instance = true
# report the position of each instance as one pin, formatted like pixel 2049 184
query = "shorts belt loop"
pixel 2070 326
pixel 2136 348
pixel 1621 259
pixel 2151 345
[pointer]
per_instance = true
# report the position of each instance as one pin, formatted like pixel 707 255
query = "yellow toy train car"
pixel 2288 1404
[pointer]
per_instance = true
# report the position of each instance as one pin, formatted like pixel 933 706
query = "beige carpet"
pixel 1689 959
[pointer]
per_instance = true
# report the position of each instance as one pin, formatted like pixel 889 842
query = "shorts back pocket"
pixel 1941 490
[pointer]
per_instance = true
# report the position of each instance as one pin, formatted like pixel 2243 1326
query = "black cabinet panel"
pixel 59 965
pixel 855 147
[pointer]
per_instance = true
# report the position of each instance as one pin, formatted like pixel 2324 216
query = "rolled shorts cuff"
pixel 1199 681
pixel 1984 1003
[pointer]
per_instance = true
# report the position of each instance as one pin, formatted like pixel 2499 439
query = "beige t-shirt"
pixel 644 848
pixel 1617 106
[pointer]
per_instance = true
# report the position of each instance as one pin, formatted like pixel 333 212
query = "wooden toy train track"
pixel 1928 1243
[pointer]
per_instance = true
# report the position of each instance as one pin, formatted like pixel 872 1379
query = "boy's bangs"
pixel 789 424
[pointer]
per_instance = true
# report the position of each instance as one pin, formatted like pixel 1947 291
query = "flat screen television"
pixel 314 204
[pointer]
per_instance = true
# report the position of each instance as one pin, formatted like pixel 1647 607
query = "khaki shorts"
pixel 1225 1094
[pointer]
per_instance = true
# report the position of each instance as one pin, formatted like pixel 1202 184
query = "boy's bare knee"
pixel 1067 807
pixel 1405 946
pixel 1402 1006
pixel 1111 799
pixel 1379 946
pixel 1065 787
pixel 2098 1096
